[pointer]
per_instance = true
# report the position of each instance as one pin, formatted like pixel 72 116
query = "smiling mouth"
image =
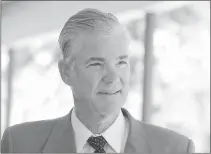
pixel 115 93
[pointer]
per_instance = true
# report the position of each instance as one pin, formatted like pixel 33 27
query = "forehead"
pixel 103 45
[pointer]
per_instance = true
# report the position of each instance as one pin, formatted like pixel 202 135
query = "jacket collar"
pixel 137 140
pixel 62 140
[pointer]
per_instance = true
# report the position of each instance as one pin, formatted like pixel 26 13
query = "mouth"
pixel 115 93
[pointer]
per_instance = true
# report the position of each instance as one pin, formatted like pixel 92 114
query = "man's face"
pixel 102 72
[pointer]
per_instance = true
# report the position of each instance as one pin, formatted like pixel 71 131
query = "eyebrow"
pixel 102 59
pixel 95 59
pixel 122 57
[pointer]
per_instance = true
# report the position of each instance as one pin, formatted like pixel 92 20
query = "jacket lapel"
pixel 137 140
pixel 61 139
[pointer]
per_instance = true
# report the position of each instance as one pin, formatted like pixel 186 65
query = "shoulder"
pixel 157 131
pixel 153 132
pixel 32 128
pixel 167 139
pixel 28 135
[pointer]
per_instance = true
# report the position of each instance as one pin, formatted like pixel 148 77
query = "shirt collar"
pixel 81 132
pixel 113 134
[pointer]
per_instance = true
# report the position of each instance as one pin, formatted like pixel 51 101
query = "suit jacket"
pixel 57 136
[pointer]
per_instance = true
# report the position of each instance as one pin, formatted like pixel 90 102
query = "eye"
pixel 95 64
pixel 122 62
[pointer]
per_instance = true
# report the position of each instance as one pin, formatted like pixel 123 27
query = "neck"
pixel 96 123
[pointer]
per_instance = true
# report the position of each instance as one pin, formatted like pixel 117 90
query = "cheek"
pixel 125 76
pixel 91 79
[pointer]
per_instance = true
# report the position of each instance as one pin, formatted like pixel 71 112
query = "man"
pixel 96 66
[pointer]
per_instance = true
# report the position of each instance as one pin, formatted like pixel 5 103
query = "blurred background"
pixel 170 62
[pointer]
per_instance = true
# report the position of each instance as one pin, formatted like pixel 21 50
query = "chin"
pixel 109 111
pixel 112 106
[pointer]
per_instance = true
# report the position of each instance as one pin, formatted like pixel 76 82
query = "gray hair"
pixel 87 19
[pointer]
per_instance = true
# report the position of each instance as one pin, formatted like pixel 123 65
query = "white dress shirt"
pixel 115 135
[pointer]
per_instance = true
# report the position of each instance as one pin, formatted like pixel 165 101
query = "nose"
pixel 110 76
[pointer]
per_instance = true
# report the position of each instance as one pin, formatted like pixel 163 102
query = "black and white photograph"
pixel 105 77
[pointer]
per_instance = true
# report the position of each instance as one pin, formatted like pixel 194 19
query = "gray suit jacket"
pixel 56 136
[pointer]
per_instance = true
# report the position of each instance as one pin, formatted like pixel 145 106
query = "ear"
pixel 65 72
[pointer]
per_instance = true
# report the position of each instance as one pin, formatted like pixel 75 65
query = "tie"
pixel 97 143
